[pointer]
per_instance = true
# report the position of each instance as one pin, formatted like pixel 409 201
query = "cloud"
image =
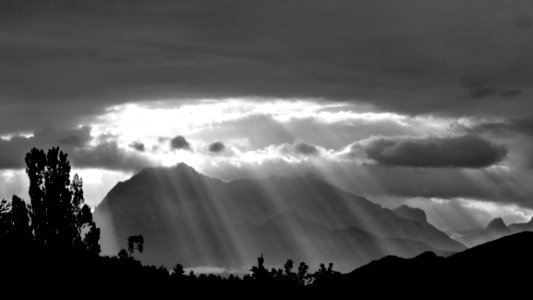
pixel 14 149
pixel 521 126
pixel 216 147
pixel 306 149
pixel 511 93
pixel 296 150
pixel 76 138
pixel 138 146
pixel 435 152
pixel 179 143
pixel 109 156
pixel 390 56
pixel 12 152
pixel 104 154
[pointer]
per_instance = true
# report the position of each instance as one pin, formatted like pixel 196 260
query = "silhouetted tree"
pixel 288 267
pixel 135 242
pixel 15 230
pixel 60 219
pixel 123 254
pixel 276 273
pixel 324 275
pixel 259 272
pixel 303 268
pixel 288 273
pixel 178 271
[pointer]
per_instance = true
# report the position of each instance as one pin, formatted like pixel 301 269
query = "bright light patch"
pixel 14 182
pixel 171 158
pixel 97 182
pixel 498 210
pixel 9 136
pixel 154 124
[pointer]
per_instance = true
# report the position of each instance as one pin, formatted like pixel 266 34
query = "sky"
pixel 418 102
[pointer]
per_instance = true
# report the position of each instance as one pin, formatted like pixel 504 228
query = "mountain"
pixel 519 227
pixel 196 220
pixel 409 213
pixel 494 230
pixel 501 266
pixel 497 226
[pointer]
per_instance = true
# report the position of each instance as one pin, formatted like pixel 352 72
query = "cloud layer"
pixel 434 152
pixel 69 60
pixel 77 143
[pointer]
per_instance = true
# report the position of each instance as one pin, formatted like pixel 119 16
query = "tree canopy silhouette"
pixel 135 242
pixel 60 219
pixel 15 223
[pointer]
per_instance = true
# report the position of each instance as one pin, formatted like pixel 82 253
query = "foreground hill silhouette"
pixel 502 266
pixel 201 221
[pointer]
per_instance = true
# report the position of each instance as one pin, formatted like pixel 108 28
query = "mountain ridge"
pixel 494 230
pixel 184 215
pixel 503 264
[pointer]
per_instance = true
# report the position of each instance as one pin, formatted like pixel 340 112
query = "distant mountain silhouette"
pixel 409 213
pixel 502 266
pixel 498 226
pixel 494 230
pixel 196 220
pixel 519 227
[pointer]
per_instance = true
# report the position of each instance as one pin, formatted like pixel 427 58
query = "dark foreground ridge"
pixel 502 266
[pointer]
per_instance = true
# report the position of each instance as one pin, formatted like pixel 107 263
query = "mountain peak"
pixel 183 166
pixel 183 169
pixel 497 225
pixel 410 213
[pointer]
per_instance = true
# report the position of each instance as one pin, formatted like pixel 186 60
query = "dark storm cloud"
pixel 522 126
pixel 216 147
pixel 305 149
pixel 517 132
pixel 484 86
pixel 12 152
pixel 105 155
pixel 75 138
pixel 138 146
pixel 179 143
pixel 511 93
pixel 453 152
pixel 63 61
pixel 299 149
